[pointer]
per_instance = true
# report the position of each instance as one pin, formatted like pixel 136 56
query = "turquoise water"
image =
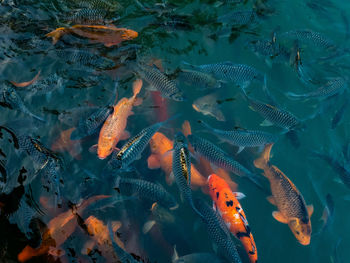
pixel 89 83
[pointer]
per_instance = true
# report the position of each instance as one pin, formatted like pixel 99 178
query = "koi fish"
pixel 243 138
pixel 161 158
pixel 218 231
pixel 100 237
pixel 134 147
pixel 108 35
pixel 227 204
pixel 292 209
pixel 113 128
pixel 182 168
pixel 58 230
pixel 145 190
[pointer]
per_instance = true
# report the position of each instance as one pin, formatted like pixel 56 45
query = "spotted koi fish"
pixel 227 204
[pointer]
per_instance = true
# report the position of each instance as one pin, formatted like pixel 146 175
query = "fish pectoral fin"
pixel 214 206
pixel 266 123
pixel 125 135
pixel 240 148
pixel 154 206
pixel 271 199
pixel 310 210
pixel 279 217
pixel 153 162
pixel 148 226
pixel 93 148
pixel 239 195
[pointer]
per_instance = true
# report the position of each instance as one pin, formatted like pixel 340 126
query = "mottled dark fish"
pixel 91 124
pixel 46 86
pixel 123 256
pixel 239 74
pixel 24 218
pixel 243 138
pixel 83 57
pixel 182 168
pixel 339 168
pixel 239 18
pixel 134 147
pixel 199 79
pixel 270 49
pixel 108 5
pixel 145 190
pixel 274 115
pixel 310 37
pixel 218 231
pixel 332 87
pixel 10 98
pixel 220 158
pixel 88 16
pixel 159 81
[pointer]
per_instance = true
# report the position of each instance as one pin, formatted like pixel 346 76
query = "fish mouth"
pixel 305 242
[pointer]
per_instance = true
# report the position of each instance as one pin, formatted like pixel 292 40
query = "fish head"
pixel 215 184
pixel 180 139
pixel 104 150
pixel 301 230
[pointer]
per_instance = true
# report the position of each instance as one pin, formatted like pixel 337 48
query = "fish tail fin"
pixel 262 161
pixel 186 128
pixel 136 88
pixel 188 64
pixel 56 34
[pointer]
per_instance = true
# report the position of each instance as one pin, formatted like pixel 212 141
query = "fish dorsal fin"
pixel 310 210
pixel 271 106
pixel 279 217
pixel 229 63
pixel 239 128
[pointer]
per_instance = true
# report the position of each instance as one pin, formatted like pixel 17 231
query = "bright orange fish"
pixel 58 230
pixel 226 203
pixel 100 237
pixel 108 35
pixel 162 157
pixel 113 128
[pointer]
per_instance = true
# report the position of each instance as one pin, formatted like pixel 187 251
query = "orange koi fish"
pixel 63 143
pixel 58 230
pixel 113 128
pixel 108 35
pixel 26 83
pixel 100 237
pixel 161 157
pixel 292 209
pixel 226 203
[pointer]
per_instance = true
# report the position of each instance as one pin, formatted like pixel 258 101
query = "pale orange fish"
pixel 161 157
pixel 100 237
pixel 58 230
pixel 113 128
pixel 26 83
pixel 63 143
pixel 108 35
